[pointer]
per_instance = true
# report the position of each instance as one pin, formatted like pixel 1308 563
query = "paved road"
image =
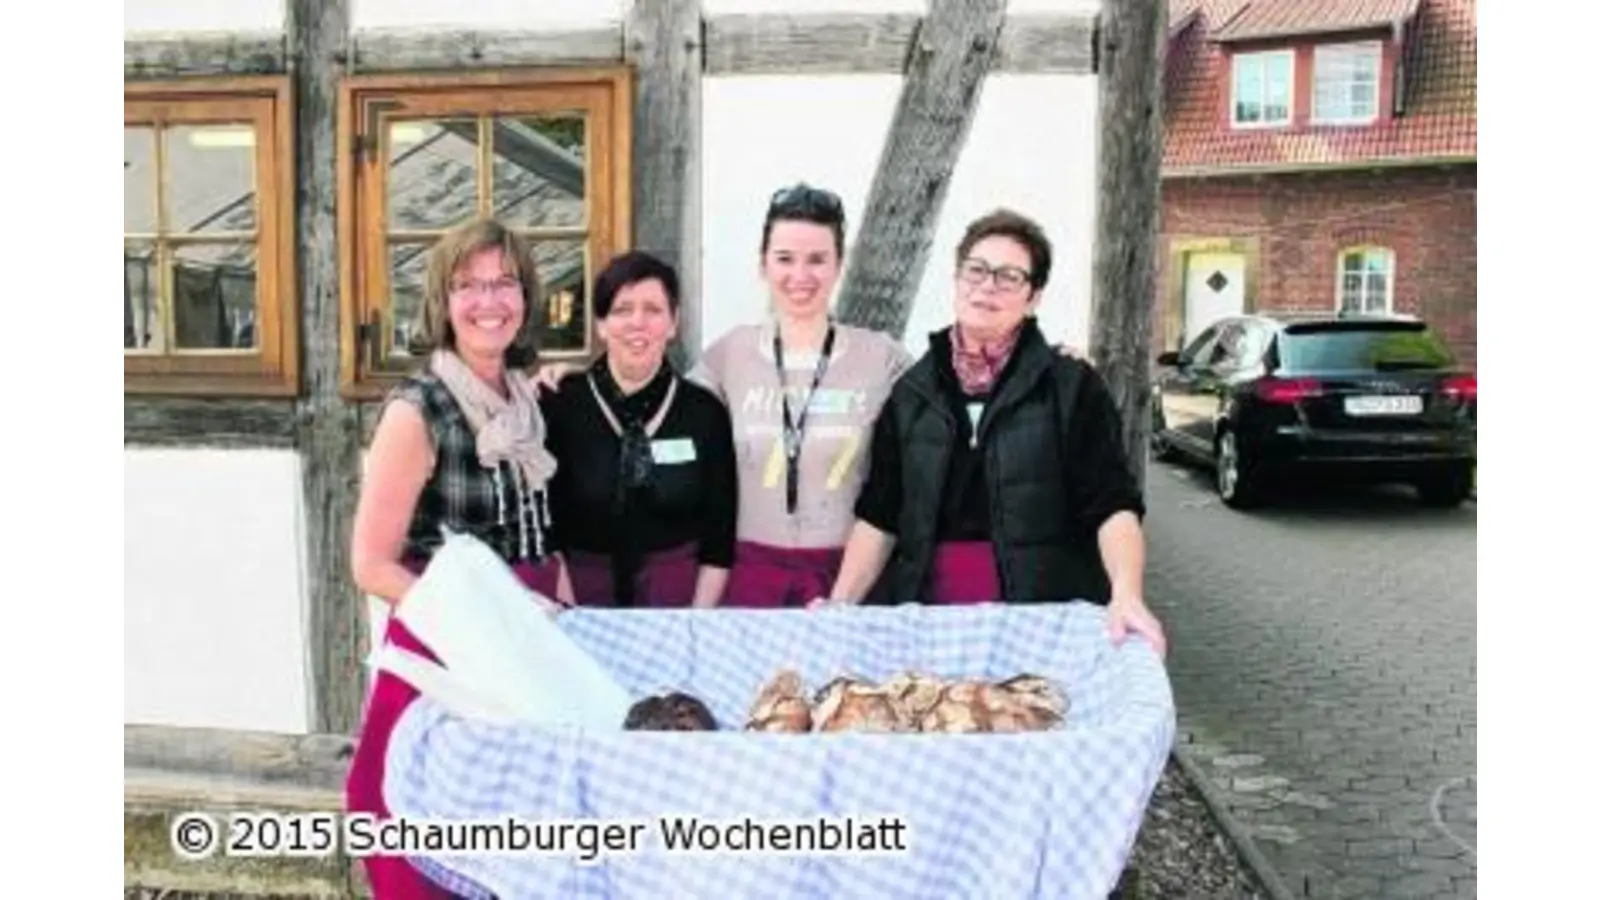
pixel 1324 662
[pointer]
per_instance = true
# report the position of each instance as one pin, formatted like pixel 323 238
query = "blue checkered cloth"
pixel 1044 814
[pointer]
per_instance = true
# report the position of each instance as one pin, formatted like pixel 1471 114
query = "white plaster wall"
pixel 202 15
pixel 1031 146
pixel 485 14
pixel 214 590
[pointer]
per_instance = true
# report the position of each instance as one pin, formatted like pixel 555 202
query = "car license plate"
pixel 1403 405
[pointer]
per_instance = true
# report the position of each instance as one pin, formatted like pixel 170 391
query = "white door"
pixel 1213 287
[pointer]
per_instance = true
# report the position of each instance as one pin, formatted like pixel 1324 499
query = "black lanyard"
pixel 793 433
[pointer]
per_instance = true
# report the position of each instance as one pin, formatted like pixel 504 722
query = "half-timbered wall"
pixel 233 502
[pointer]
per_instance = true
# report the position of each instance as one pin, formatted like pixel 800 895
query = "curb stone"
pixel 1266 874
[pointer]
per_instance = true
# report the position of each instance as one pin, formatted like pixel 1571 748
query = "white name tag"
pixel 672 451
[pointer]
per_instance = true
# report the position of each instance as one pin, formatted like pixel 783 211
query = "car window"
pixel 1252 344
pixel 1367 347
pixel 1200 346
pixel 1225 353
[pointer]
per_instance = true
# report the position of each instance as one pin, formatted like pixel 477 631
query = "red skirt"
pixel 664 578
pixel 964 572
pixel 392 877
pixel 764 576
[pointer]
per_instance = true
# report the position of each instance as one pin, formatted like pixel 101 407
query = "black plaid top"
pixel 462 494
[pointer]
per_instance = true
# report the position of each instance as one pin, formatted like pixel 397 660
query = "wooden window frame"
pixel 1364 250
pixel 368 102
pixel 273 370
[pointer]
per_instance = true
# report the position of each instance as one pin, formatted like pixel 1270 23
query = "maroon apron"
pixel 392 877
pixel 764 576
pixel 664 578
pixel 964 572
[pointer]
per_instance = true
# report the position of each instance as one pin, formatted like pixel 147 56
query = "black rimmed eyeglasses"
pixel 1008 278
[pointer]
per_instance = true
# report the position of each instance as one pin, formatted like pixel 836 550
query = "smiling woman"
pixel 645 486
pixel 460 445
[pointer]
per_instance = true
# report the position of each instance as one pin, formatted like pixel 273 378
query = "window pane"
pixel 1276 111
pixel 1279 71
pixel 433 174
pixel 141 319
pixel 138 180
pixel 1247 111
pixel 1351 285
pixel 1377 291
pixel 408 272
pixel 1351 262
pixel 538 171
pixel 564 278
pixel 1363 99
pixel 214 296
pixel 210 178
pixel 1376 262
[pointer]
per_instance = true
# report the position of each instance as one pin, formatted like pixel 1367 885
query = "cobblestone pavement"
pixel 1323 657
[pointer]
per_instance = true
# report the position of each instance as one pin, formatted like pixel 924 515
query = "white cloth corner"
pixel 504 656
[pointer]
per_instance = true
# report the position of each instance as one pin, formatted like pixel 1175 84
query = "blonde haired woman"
pixel 460 445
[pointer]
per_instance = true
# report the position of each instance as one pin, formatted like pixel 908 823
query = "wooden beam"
pixel 329 437
pixel 187 422
pixel 410 49
pixel 1133 39
pixel 817 44
pixel 304 762
pixel 664 44
pixel 158 55
pixel 1054 43
pixel 956 48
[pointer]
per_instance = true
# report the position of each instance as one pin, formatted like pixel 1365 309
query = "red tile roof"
pixel 1438 107
pixel 1293 18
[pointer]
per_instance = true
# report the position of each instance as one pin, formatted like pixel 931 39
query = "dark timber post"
pixel 663 41
pixel 951 54
pixel 329 437
pixel 1132 52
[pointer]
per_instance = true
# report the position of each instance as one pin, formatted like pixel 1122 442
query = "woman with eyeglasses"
pixel 997 470
pixel 645 488
pixel 803 391
pixel 459 445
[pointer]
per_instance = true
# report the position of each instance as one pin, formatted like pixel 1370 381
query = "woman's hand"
pixel 549 376
pixel 1128 614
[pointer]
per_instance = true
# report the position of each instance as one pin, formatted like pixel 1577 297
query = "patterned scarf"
pixel 507 432
pixel 634 417
pixel 978 365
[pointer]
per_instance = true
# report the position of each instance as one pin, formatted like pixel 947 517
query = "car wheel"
pixel 1447 487
pixel 1236 478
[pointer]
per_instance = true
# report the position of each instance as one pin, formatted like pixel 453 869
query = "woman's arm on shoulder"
pixel 399 461
pixel 707 371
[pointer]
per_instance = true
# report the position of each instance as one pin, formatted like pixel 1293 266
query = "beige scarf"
pixel 505 430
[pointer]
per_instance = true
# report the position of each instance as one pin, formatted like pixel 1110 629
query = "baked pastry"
pixel 1036 700
pixel 670 712
pixel 849 704
pixel 781 706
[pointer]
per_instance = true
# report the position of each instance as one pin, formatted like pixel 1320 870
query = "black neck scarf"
pixel 635 465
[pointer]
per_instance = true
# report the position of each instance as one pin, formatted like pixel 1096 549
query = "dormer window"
pixel 1263 87
pixel 1345 83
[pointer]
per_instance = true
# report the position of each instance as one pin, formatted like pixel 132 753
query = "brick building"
pixel 1320 154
